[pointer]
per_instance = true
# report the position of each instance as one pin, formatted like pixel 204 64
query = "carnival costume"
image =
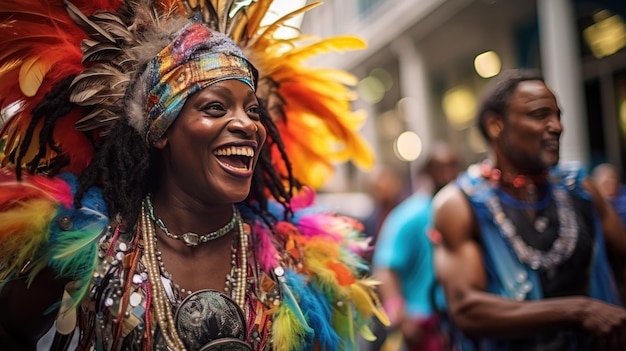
pixel 567 240
pixel 297 284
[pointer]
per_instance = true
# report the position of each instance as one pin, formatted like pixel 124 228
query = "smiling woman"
pixel 146 180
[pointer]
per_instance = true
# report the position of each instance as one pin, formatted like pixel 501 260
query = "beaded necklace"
pixel 236 280
pixel 190 238
pixel 525 183
pixel 563 246
pixel 162 309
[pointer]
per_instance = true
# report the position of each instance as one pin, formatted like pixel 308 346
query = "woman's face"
pixel 210 150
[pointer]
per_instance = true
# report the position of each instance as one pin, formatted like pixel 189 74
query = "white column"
pixel 560 58
pixel 413 89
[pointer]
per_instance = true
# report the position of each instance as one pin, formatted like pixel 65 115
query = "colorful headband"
pixel 197 58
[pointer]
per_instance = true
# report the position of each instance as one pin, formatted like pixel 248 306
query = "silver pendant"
pixel 541 224
pixel 191 239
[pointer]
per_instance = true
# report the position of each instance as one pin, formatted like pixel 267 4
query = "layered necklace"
pixel 562 248
pixel 235 281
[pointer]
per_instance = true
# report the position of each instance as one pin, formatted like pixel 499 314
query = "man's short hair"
pixel 496 97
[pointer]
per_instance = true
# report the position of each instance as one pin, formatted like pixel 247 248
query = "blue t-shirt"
pixel 403 246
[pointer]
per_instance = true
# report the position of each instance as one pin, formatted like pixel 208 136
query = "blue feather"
pixel 318 311
pixel 73 245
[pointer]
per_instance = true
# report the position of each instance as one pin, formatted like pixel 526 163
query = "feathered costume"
pixel 312 288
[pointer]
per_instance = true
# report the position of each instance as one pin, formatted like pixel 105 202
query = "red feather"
pixel 44 41
pixel 32 187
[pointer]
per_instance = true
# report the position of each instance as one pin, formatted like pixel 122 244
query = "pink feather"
pixel 266 252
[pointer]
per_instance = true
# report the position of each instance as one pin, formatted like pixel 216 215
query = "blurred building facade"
pixel 428 60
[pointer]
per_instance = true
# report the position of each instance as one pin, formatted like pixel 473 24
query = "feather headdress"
pixel 87 53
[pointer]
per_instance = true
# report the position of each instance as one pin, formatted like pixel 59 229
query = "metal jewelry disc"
pixel 226 344
pixel 209 315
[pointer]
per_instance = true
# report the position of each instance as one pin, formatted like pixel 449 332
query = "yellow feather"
pixel 366 333
pixel 287 331
pixel 367 304
pixel 335 75
pixel 24 229
pixel 338 43
pixel 256 16
pixel 32 73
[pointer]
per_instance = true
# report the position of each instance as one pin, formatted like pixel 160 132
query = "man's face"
pixel 531 128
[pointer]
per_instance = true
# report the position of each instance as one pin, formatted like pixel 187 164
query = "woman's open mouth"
pixel 237 159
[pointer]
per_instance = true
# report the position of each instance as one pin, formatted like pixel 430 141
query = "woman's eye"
pixel 254 112
pixel 214 109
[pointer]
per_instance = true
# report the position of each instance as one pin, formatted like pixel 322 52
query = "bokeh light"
pixel 371 89
pixel 487 64
pixel 459 105
pixel 408 146
pixel 607 35
pixel 384 77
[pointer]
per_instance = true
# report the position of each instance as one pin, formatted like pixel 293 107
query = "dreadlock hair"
pixel 127 169
pixel 496 97
pixel 266 177
pixel 54 105
pixel 120 166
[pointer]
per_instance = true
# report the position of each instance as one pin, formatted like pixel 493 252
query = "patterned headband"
pixel 196 58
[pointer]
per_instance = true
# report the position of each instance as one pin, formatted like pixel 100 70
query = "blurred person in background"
pixel 606 178
pixel 522 259
pixel 387 189
pixel 403 255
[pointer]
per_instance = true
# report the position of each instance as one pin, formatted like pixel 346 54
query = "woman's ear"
pixel 162 142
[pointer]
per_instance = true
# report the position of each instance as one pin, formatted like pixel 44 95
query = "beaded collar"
pixel 563 246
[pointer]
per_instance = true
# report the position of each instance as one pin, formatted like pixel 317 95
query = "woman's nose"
pixel 242 123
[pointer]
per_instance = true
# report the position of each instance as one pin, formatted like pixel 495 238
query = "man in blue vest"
pixel 522 259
